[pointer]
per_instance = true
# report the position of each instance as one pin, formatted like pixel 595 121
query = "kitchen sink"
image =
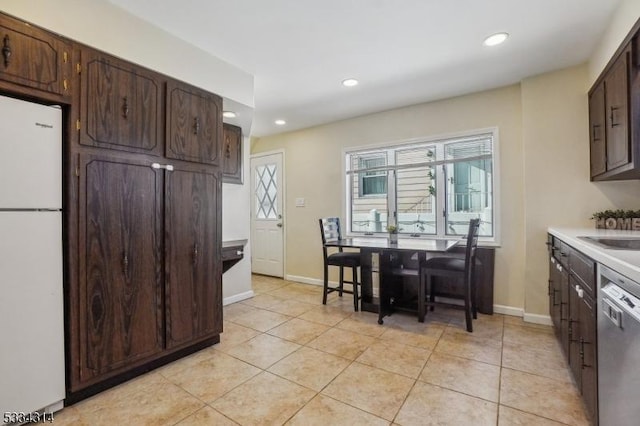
pixel 616 243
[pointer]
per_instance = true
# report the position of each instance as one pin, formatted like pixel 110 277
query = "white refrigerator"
pixel 32 376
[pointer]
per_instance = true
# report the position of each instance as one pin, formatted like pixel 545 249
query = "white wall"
pixel 236 225
pixel 313 166
pixel 102 25
pixel 99 24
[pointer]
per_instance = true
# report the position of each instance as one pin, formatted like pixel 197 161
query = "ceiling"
pixel 403 52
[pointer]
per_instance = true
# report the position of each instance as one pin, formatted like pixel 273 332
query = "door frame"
pixel 284 201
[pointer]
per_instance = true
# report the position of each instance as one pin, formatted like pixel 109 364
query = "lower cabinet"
pixel 120 306
pixel 193 255
pixel 572 308
pixel 149 265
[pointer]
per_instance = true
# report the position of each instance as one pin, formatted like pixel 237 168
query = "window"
pixel 429 188
pixel 372 183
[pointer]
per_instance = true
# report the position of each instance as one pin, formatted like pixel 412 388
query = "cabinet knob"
pixel 596 136
pixel 125 263
pixel 125 107
pixel 196 125
pixel 195 254
pixel 6 50
pixel 613 109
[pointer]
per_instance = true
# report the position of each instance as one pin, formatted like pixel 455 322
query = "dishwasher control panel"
pixel 616 300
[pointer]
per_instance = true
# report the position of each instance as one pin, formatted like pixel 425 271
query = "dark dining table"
pixel 392 256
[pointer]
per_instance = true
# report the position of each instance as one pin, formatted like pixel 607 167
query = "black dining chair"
pixel 461 270
pixel 330 231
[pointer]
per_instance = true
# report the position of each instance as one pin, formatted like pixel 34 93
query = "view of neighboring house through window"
pixel 431 187
pixel 373 183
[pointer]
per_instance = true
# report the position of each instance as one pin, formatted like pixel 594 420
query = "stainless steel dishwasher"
pixel 618 349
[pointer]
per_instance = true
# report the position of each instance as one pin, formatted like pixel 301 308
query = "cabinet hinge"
pixel 78 124
pixel 78 68
pixel 65 57
pixel 77 171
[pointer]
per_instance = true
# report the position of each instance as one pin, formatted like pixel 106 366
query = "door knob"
pixel 279 225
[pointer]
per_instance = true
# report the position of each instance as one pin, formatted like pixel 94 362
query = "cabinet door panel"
pixel 194 124
pixel 193 264
pixel 589 377
pixel 617 112
pixel 232 154
pixel 575 352
pixel 121 291
pixel 121 105
pixel 34 58
pixel 597 136
pixel 555 293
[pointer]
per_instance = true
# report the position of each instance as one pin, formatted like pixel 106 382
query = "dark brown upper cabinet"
pixel 614 116
pixel 34 58
pixel 616 84
pixel 194 124
pixel 597 137
pixel 120 106
pixel 232 154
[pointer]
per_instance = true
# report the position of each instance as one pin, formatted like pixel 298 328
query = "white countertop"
pixel 625 262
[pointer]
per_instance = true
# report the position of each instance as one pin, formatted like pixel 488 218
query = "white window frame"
pixel 439 140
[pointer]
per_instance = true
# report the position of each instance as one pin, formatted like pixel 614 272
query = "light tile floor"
pixel 284 358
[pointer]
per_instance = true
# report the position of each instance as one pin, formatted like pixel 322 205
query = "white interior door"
pixel 267 217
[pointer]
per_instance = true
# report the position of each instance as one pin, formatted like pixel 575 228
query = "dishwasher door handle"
pixel 612 312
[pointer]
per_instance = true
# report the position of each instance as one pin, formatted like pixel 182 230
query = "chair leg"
pixel 474 292
pixel 421 297
pixel 325 284
pixel 354 278
pixel 430 290
pixel 341 285
pixel 467 305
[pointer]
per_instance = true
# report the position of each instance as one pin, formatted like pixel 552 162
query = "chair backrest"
pixel 330 231
pixel 472 243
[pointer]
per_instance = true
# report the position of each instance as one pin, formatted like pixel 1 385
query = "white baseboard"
pixel 306 280
pixel 498 309
pixel 508 310
pixel 537 319
pixel 238 297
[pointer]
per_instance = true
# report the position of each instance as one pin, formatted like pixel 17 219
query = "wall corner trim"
pixel 238 297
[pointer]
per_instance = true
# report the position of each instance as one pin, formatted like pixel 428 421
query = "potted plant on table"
pixel 393 233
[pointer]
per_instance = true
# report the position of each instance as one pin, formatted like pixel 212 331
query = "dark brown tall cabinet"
pixel 142 205
pixel 148 190
pixel 119 310
pixel 193 255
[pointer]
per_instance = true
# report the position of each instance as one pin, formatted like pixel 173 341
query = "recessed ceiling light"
pixel 229 114
pixel 280 122
pixel 495 39
pixel 350 82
